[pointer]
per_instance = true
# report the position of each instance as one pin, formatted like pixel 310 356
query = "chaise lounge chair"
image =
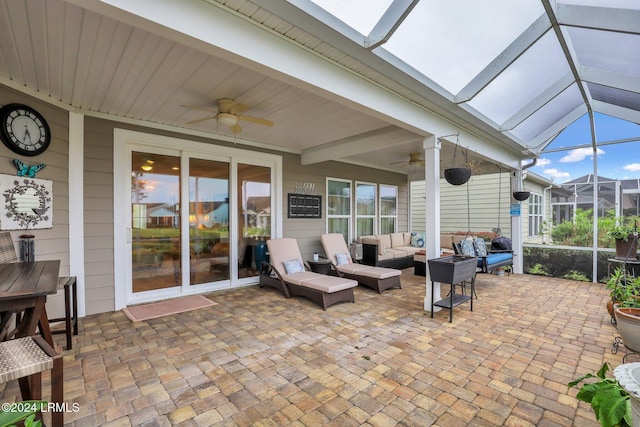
pixel 286 261
pixel 377 278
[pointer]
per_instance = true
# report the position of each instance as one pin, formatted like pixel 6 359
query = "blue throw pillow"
pixel 467 247
pixel 294 266
pixel 481 247
pixel 417 240
pixel 342 259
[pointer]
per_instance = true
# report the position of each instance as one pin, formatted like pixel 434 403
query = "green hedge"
pixel 566 263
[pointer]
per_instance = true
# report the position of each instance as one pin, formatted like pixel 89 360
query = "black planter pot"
pixel 457 176
pixel 521 195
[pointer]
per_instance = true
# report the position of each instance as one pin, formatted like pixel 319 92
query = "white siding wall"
pixel 489 204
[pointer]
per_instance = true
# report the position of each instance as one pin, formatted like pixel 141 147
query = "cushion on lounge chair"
pixel 329 284
pixel 352 268
pixel 298 278
pixel 379 272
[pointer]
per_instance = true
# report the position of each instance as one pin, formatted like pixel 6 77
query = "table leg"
pixel 45 329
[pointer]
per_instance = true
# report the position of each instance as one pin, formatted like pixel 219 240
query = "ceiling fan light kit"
pixel 229 114
pixel 227 119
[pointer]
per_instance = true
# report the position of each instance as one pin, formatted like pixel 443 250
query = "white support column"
pixel 432 147
pixel 516 223
pixel 76 200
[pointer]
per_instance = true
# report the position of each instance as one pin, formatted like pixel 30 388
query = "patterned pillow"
pixel 294 266
pixel 467 247
pixel 342 259
pixel 481 246
pixel 417 240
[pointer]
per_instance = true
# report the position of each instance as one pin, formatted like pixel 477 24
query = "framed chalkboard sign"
pixel 305 206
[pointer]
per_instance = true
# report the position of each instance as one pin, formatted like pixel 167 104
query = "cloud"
pixel 579 154
pixel 556 174
pixel 632 167
pixel 543 162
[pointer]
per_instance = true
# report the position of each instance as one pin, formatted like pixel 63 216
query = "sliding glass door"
pixel 208 221
pixel 155 221
pixel 189 217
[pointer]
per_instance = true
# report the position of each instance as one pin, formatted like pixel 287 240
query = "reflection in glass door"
pixel 254 217
pixel 208 221
pixel 155 221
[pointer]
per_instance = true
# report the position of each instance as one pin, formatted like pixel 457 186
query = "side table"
pixel 322 266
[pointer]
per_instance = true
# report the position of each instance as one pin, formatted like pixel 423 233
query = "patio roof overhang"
pixel 506 78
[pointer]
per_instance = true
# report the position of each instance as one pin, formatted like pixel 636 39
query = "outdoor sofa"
pixel 393 250
pixel 296 280
pixel 377 278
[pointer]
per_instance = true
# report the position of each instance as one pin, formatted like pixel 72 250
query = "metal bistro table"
pixel 24 287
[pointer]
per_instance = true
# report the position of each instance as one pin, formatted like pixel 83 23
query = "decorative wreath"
pixel 26 218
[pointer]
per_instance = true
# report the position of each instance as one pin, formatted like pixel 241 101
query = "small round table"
pixel 322 266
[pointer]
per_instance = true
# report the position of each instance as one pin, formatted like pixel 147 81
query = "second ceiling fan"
pixel 229 114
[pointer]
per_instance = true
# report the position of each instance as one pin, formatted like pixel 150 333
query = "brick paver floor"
pixel 259 359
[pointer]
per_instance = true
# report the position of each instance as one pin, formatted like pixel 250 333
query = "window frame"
pixel 535 216
pixel 329 216
pixel 358 216
pixel 381 216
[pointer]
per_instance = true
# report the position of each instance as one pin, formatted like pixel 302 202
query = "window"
pixel 535 215
pixel 365 209
pixel 339 207
pixel 388 208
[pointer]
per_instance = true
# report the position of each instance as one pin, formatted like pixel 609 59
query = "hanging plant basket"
pixel 521 195
pixel 458 173
pixel 457 176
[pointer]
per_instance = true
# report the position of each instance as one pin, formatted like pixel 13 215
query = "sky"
pixel 615 161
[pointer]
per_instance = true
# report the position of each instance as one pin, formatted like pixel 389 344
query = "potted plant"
pixel 615 284
pixel 609 400
pixel 626 241
pixel 627 309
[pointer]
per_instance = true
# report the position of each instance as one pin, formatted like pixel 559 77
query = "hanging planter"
pixel 457 175
pixel 521 195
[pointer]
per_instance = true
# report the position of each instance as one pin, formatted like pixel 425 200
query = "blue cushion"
pixel 417 240
pixel 496 258
pixel 294 266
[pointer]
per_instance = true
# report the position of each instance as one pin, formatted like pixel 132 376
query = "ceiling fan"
pixel 229 114
pixel 414 160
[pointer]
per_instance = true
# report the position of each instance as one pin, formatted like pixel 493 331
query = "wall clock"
pixel 23 130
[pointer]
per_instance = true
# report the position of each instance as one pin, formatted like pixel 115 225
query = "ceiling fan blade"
pixel 399 163
pixel 236 128
pixel 238 108
pixel 197 107
pixel 200 120
pixel 256 120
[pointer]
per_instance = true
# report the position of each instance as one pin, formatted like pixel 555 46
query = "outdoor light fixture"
pixel 227 119
pixel 146 168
